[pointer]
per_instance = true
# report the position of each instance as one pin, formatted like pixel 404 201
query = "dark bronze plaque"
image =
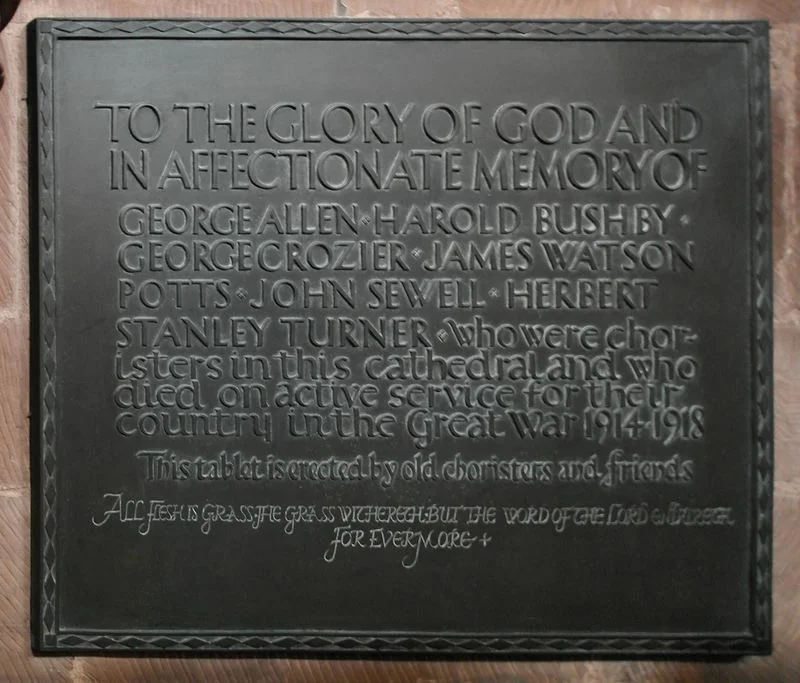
pixel 427 337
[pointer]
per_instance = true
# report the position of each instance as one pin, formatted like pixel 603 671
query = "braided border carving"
pixel 408 29
pixel 436 644
pixel 761 247
pixel 754 34
pixel 47 339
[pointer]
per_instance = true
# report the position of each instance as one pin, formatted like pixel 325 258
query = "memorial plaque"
pixel 402 337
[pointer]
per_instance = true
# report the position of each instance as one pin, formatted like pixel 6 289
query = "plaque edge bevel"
pixel 47 638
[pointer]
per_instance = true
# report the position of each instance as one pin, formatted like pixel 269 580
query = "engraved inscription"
pixel 414 276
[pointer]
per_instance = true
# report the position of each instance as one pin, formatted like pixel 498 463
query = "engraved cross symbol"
pixel 416 253
pixel 241 293
pixel 441 335
pixel 494 292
